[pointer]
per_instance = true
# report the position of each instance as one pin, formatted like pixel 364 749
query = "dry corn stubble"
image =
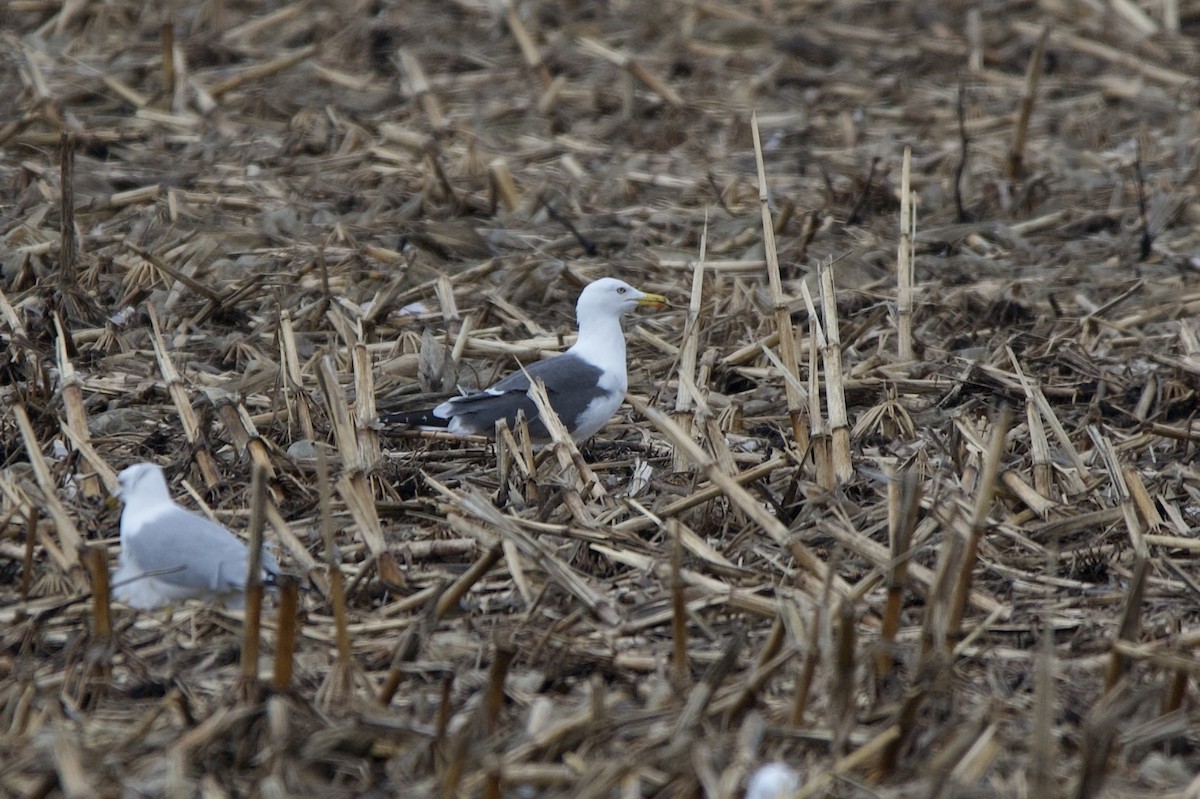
pixel 269 210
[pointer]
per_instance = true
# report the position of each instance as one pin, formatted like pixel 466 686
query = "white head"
pixel 144 481
pixel 612 298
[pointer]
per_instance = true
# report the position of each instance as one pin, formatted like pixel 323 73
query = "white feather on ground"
pixel 773 781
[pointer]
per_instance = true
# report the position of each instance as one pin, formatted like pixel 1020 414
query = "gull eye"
pixel 621 290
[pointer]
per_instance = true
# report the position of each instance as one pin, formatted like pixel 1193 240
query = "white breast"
pixel 597 414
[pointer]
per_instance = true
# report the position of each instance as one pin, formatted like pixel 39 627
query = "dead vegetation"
pixel 905 493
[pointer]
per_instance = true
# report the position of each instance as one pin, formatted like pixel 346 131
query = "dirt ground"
pixel 909 506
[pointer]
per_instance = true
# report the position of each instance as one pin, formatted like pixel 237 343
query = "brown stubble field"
pixel 909 506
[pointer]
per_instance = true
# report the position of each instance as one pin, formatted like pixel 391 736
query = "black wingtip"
pixel 273 580
pixel 399 421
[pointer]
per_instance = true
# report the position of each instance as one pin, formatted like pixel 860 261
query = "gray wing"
pixel 571 384
pixel 193 552
pixel 566 373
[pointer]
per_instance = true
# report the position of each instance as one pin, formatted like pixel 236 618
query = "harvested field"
pixel 904 495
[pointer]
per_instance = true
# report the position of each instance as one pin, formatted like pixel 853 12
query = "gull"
pixel 585 385
pixel 169 553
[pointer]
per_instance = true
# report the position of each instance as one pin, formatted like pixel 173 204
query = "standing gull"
pixel 585 384
pixel 169 554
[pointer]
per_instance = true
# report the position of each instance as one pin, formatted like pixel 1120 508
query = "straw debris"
pixel 905 494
